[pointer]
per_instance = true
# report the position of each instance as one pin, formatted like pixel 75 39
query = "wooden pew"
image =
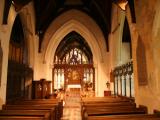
pixel 125 117
pixel 114 108
pixel 55 102
pixel 20 118
pixel 54 106
pixel 108 104
pixel 33 107
pixel 100 106
pixel 104 100
pixel 28 113
pixel 113 111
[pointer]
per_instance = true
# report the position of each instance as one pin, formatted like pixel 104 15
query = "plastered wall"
pixel 147 27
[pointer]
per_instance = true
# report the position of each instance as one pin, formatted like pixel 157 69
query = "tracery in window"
pixel 73 63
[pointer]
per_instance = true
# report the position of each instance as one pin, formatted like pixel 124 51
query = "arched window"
pixel 73 62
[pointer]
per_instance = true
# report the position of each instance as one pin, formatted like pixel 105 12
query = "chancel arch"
pixel 73 64
pixel 92 40
pixel 73 25
pixel 75 20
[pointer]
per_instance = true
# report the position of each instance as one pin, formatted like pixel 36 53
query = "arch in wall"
pixel 126 38
pixel 66 28
pixel 73 54
pixel 134 41
pixel 25 75
pixel 123 39
pixel 27 18
pixel 74 20
pixel 124 51
pixel 148 95
pixel 17 59
pixel 5 43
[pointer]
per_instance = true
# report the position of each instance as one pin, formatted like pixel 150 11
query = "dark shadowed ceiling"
pixel 47 10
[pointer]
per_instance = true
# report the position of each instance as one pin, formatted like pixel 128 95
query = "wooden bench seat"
pixel 113 111
pixel 20 118
pixel 114 108
pixel 37 113
pixel 33 107
pixel 106 101
pixel 104 98
pixel 109 104
pixel 36 102
pixel 121 101
pixel 90 108
pixel 125 117
pixel 53 102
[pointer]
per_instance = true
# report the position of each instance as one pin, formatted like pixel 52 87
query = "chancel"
pixel 79 59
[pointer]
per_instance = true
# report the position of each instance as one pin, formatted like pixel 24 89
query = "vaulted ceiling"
pixel 47 10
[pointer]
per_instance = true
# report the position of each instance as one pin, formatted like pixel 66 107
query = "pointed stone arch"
pixel 74 20
pixel 68 27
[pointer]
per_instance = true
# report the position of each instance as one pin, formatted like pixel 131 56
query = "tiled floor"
pixel 72 107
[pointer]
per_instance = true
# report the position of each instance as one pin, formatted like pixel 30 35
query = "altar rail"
pixel 123 80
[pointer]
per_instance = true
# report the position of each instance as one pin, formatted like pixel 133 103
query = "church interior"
pixel 79 60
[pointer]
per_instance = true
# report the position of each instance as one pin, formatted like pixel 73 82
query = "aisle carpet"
pixel 72 106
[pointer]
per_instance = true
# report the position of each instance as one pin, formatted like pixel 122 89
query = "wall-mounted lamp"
pixel 108 85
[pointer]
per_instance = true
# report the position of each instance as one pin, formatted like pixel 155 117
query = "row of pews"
pixel 36 109
pixel 114 108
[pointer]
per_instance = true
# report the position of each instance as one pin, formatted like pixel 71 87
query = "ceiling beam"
pixel 19 4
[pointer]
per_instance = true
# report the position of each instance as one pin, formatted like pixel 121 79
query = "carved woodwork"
pixel 73 67
pixel 74 74
pixel 19 81
pixel 41 89
pixel 120 73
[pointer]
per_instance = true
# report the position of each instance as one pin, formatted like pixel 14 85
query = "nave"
pixel 75 107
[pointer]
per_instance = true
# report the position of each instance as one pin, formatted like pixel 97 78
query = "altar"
pixel 74 87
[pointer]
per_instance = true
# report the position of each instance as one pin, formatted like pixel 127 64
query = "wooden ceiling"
pixel 47 10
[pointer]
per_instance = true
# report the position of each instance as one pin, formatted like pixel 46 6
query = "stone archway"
pixel 89 30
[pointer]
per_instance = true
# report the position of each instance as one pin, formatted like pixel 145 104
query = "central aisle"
pixel 72 107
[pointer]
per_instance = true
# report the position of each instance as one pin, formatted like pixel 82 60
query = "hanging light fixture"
pixel 121 3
